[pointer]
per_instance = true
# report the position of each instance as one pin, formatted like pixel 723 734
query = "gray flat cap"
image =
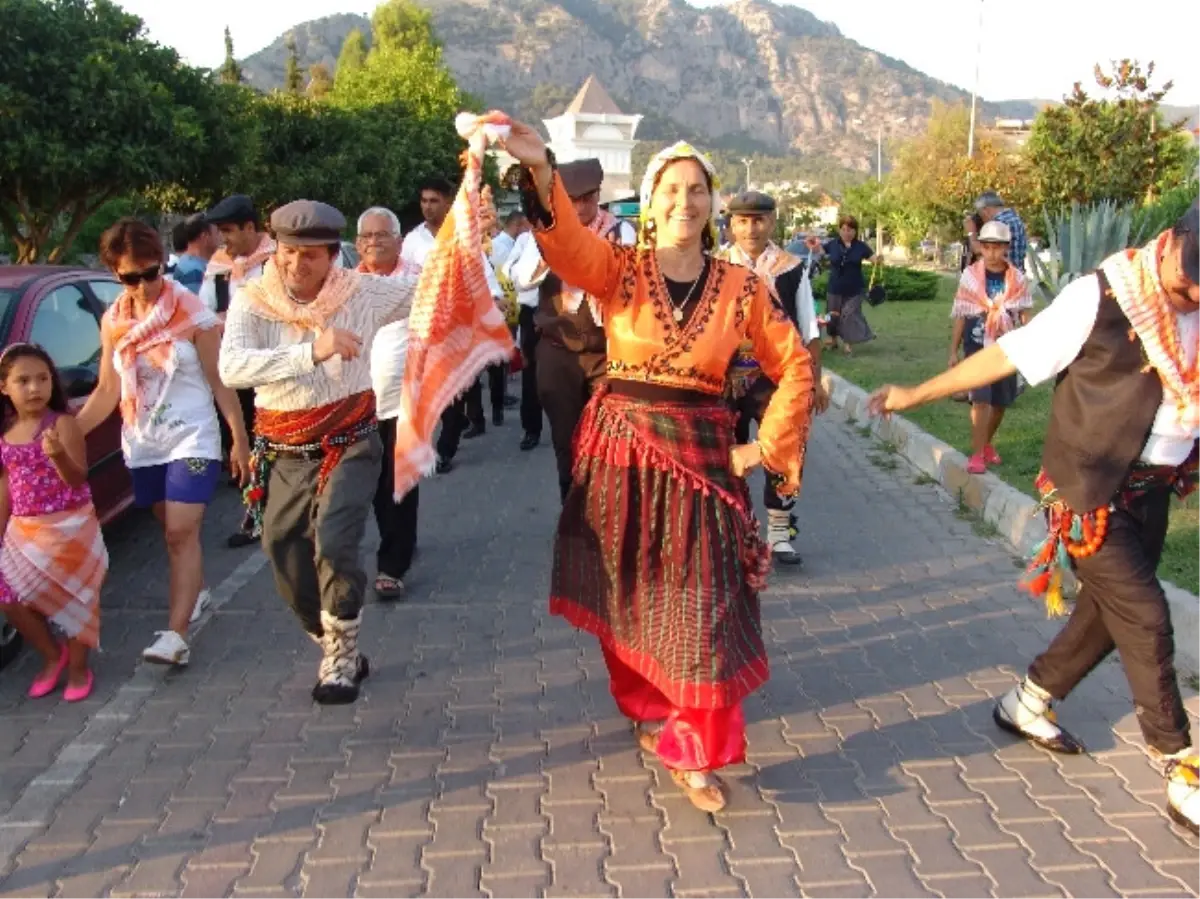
pixel 235 209
pixel 752 202
pixel 989 199
pixel 306 223
pixel 581 177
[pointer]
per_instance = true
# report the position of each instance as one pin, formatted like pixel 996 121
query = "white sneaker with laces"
pixel 203 601
pixel 168 648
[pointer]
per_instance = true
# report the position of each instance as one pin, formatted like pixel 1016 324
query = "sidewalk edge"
pixel 1007 509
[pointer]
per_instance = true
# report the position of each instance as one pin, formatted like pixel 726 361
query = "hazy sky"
pixel 1032 48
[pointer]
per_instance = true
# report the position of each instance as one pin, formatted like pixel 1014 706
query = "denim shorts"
pixel 182 481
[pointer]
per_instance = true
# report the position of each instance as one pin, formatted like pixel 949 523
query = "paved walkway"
pixel 486 756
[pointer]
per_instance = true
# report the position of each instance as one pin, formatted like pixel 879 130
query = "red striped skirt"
pixel 658 554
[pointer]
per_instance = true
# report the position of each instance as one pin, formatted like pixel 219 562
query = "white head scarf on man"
pixel 673 153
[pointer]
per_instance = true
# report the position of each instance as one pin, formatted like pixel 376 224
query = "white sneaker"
pixel 168 648
pixel 203 601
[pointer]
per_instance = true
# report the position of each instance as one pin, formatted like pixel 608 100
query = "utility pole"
pixel 879 200
pixel 746 163
pixel 975 89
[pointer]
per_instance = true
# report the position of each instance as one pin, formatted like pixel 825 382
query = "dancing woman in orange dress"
pixel 657 551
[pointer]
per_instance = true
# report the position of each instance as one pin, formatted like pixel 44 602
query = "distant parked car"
pixel 59 307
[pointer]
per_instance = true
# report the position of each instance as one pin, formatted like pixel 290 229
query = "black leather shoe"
pixel 1063 742
pixel 529 441
pixel 340 694
pixel 444 466
pixel 474 431
pixel 498 417
pixel 240 539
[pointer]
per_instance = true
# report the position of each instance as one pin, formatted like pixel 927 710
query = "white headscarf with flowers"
pixel 673 153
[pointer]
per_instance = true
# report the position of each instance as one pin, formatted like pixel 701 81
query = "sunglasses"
pixel 133 279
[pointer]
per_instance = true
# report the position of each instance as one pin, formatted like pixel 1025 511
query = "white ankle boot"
pixel 343 667
pixel 1026 711
pixel 779 537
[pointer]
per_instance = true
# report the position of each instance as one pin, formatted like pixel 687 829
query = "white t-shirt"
pixel 183 424
pixel 1056 335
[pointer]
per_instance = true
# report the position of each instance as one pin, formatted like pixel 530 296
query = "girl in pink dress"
pixel 53 560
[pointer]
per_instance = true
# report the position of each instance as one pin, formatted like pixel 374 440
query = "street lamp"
pixel 975 89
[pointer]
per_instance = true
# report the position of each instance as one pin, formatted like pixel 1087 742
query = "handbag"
pixel 876 293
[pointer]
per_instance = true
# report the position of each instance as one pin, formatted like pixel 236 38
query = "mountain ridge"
pixel 753 76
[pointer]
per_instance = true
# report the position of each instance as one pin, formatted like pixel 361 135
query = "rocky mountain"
pixel 753 76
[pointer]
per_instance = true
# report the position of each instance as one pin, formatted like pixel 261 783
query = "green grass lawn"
pixel 911 346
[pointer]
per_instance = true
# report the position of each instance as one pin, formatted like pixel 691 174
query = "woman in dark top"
pixel 844 296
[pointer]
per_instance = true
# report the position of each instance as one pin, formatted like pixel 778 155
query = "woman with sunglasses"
pixel 159 351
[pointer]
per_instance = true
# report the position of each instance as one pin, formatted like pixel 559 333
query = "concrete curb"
pixel 1007 509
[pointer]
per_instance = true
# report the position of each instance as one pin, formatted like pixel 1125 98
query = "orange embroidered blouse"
pixel 646 344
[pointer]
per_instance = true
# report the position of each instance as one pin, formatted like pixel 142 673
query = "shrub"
pixel 904 285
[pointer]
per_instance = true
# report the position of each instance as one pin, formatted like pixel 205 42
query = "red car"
pixel 59 307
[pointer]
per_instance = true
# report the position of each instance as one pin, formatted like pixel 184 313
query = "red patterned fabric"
pixel 657 551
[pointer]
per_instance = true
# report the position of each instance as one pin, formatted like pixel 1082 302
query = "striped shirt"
pixel 276 359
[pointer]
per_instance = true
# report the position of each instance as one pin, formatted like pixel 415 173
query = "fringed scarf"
pixel 455 327
pixel 972 299
pixel 269 298
pixel 403 267
pixel 175 316
pixel 221 262
pixel 1134 280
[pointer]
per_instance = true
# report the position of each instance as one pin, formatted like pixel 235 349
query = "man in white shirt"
pixel 378 244
pixel 298 336
pixel 526 270
pixel 752 218
pixel 1122 438
pixel 245 249
pixel 515 224
pixel 436 198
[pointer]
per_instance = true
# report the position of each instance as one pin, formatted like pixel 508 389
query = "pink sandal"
pixel 44 686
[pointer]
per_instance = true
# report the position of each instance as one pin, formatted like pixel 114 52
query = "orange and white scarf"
pixel 602 226
pixel 972 299
pixel 455 327
pixel 221 262
pixel 177 315
pixel 269 297
pixel 403 267
pixel 1133 277
pixel 770 264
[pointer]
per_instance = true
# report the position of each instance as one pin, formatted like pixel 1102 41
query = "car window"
pixel 106 291
pixel 67 329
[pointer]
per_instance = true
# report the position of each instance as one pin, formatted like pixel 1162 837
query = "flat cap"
pixel 305 223
pixel 752 202
pixel 234 209
pixel 581 177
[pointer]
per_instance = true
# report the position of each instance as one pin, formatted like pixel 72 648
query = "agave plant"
pixel 1077 242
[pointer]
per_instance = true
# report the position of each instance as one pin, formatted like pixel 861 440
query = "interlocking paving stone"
pixel 486 757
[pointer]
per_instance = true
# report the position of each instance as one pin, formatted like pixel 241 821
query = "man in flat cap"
pixel 1121 344
pixel 245 247
pixel 298 335
pixel 752 219
pixel 570 352
pixel 990 207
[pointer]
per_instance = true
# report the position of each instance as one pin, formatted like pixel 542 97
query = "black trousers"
pixel 566 381
pixel 397 522
pixel 750 408
pixel 454 422
pixel 531 406
pixel 496 375
pixel 246 401
pixel 1121 605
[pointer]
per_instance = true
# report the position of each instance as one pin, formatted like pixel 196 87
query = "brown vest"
pixel 1103 408
pixel 575 331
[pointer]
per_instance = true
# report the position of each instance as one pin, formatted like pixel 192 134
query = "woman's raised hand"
pixel 525 145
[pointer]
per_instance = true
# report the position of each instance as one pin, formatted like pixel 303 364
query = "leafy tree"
pixel 353 56
pixel 230 72
pixel 402 25
pixel 1119 148
pixel 293 79
pixel 94 111
pixel 320 81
